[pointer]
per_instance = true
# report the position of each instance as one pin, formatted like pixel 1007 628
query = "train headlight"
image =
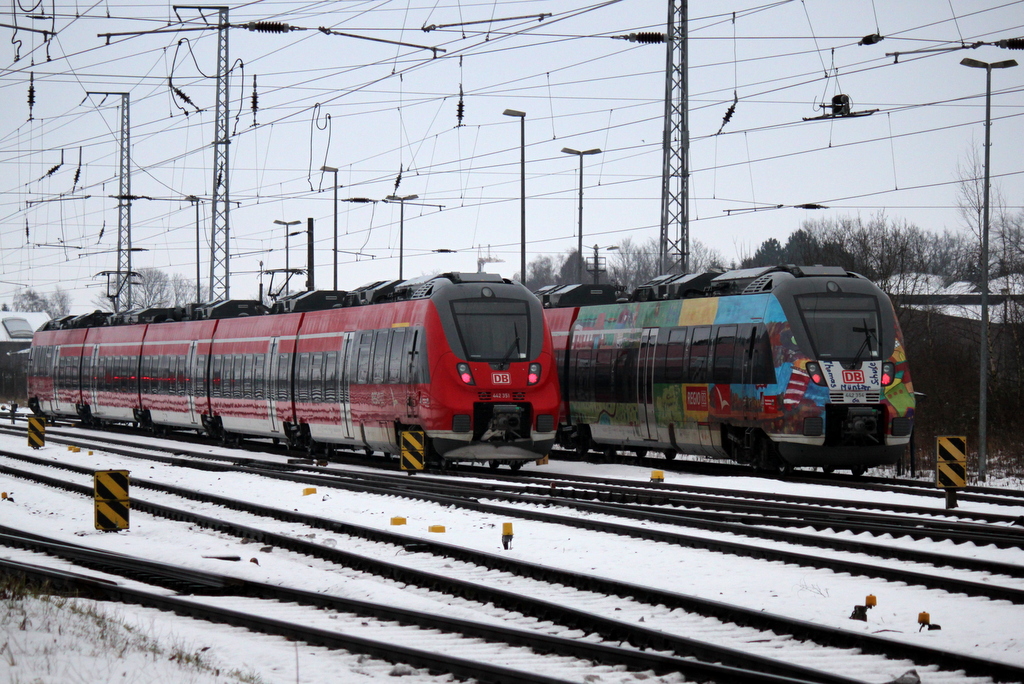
pixel 814 370
pixel 888 373
pixel 465 373
pixel 533 374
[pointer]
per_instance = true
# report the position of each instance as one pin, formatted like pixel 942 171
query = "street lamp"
pixel 331 169
pixel 568 150
pixel 401 226
pixel 597 261
pixel 983 383
pixel 522 189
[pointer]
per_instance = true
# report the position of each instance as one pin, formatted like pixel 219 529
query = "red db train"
pixel 463 359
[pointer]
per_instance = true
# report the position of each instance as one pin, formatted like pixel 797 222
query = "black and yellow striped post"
pixel 111 495
pixel 951 466
pixel 36 432
pixel 414 449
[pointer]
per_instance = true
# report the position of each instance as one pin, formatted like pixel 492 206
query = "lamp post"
pixel 983 373
pixel 597 261
pixel 199 279
pixel 522 190
pixel 581 154
pixel 287 235
pixel 331 169
pixel 401 226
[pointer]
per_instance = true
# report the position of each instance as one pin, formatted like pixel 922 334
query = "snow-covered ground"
pixel 38 643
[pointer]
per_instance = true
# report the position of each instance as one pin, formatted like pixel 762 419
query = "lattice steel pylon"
pixel 674 243
pixel 220 273
pixel 121 295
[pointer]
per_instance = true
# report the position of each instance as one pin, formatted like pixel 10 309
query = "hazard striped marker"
pixel 414 449
pixel 36 432
pixel 951 466
pixel 110 489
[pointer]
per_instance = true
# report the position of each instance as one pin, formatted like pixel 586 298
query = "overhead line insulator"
pixel 1011 43
pixel 646 37
pixel 268 27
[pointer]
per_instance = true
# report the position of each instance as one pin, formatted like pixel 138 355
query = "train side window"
pixel 397 365
pixel 247 370
pixel 660 354
pixel 763 368
pixel 199 375
pixel 603 389
pixel 380 356
pixel 624 375
pixel 166 374
pixel 416 356
pixel 259 377
pixel 302 378
pixel 215 375
pixel 725 343
pixel 675 355
pixel 316 377
pixel 284 374
pixel 699 347
pixel 365 347
pixel 331 377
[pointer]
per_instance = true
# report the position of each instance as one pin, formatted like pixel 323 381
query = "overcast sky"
pixel 378 110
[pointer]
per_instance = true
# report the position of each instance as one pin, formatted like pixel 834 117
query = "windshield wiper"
pixel 866 344
pixel 514 347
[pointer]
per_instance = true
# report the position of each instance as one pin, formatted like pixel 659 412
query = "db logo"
pixel 853 377
pixel 506 378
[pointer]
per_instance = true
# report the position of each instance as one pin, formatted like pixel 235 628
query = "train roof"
pixel 686 285
pixel 376 292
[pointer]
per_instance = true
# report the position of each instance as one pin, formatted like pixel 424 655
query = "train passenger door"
pixel 89 383
pixel 647 427
pixel 344 380
pixel 272 368
pixel 192 371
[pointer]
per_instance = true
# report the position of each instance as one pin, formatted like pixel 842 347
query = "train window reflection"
pixel 841 326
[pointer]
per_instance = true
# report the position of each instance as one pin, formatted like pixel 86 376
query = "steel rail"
pixel 543 610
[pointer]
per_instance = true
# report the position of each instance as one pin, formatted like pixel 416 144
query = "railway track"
pixel 555 609
pixel 438 639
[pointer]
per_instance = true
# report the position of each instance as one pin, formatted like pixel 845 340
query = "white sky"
pixel 394 108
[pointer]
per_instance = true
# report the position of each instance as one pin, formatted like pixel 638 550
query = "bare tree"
pixel 55 304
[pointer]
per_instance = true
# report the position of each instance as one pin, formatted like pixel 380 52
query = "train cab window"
pixel 675 355
pixel 841 326
pixel 493 329
pixel 699 347
pixel 397 359
pixel 380 356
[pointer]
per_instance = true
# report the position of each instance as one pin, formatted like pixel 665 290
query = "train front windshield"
pixel 842 327
pixel 493 330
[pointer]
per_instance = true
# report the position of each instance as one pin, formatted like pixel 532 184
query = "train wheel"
pixel 670 454
pixel 828 470
pixel 640 453
pixel 783 468
pixel 493 465
pixel 857 471
pixel 517 465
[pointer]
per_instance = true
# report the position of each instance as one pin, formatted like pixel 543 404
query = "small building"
pixel 16 329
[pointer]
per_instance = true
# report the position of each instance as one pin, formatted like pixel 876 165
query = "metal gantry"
pixel 121 292
pixel 674 243
pixel 220 273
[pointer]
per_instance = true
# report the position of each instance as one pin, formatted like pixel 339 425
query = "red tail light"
pixel 533 375
pixel 888 373
pixel 814 370
pixel 465 373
